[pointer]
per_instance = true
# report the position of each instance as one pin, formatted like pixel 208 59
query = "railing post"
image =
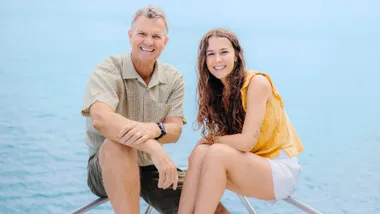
pixel 302 206
pixel 90 206
pixel 247 204
pixel 148 210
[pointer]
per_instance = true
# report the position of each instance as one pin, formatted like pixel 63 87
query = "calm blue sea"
pixel 322 55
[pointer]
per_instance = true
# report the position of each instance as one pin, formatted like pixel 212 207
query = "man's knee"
pixel 111 151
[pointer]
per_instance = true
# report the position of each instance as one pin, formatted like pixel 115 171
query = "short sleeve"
pixel 105 85
pixel 176 99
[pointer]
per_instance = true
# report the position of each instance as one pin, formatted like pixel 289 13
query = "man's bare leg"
pixel 121 177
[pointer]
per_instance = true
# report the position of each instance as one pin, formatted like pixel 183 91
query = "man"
pixel 133 104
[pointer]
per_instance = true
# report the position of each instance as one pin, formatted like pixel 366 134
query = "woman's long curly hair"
pixel 220 110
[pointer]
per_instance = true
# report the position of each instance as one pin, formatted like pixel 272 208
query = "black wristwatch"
pixel 163 130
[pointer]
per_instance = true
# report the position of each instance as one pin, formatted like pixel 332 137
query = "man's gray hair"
pixel 151 12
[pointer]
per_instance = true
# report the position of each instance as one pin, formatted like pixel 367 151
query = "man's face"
pixel 147 38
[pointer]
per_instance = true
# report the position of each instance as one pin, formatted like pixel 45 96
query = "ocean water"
pixel 322 55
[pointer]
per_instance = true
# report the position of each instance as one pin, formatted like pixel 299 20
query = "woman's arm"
pixel 258 94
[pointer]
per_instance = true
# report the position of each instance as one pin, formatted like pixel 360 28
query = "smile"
pixel 147 49
pixel 219 67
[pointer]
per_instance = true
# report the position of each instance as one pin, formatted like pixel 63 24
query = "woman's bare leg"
pixel 241 172
pixel 190 184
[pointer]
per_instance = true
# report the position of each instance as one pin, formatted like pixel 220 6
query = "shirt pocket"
pixel 155 111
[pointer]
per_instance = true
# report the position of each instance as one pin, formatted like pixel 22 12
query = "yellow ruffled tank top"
pixel 277 132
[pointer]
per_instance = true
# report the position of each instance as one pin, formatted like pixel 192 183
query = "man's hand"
pixel 137 133
pixel 167 170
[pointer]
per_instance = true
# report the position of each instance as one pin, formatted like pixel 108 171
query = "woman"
pixel 249 146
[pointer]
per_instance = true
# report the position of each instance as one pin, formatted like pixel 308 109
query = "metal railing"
pixel 295 202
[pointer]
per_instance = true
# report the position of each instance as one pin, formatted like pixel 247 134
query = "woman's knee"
pixel 217 152
pixel 198 154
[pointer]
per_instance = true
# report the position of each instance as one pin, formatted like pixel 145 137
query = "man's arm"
pixel 173 122
pixel 175 118
pixel 173 126
pixel 138 132
pixel 109 124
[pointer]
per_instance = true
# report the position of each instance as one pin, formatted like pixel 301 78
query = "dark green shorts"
pixel 164 201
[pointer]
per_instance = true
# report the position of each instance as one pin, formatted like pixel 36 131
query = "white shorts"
pixel 285 171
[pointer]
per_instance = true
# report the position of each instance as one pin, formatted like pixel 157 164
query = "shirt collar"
pixel 129 72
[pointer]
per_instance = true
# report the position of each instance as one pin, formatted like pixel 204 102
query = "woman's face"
pixel 220 57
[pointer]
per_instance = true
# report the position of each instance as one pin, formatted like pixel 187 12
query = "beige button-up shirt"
pixel 116 83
